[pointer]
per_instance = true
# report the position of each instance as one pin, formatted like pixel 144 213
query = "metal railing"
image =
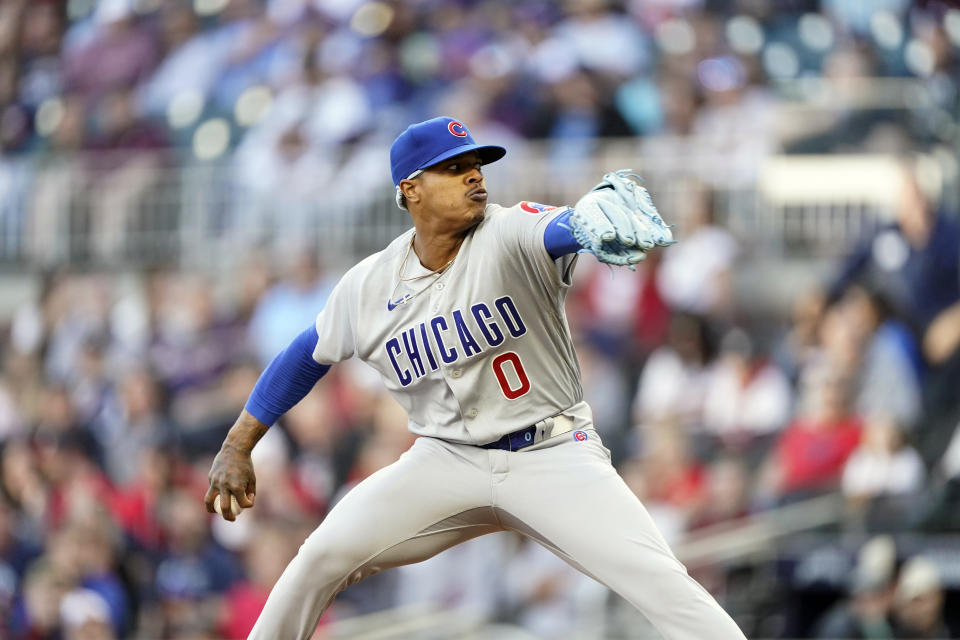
pixel 136 210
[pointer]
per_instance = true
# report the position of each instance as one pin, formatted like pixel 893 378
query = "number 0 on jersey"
pixel 515 385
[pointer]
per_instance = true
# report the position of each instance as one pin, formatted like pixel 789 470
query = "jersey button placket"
pixel 436 296
pixel 472 413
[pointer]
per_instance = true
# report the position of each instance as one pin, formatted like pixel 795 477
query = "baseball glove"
pixel 617 222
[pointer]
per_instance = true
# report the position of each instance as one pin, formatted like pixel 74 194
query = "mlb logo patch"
pixel 579 436
pixel 535 207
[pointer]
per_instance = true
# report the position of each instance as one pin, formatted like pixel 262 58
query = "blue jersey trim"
pixel 289 378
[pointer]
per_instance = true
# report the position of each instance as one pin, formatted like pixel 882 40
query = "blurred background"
pixel 182 183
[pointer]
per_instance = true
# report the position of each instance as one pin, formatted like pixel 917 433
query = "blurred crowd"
pixel 300 97
pixel 141 74
pixel 117 389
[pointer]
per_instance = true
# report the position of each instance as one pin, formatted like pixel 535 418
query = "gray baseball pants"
pixel 562 492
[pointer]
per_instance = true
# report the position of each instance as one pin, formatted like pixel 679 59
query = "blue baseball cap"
pixel 426 143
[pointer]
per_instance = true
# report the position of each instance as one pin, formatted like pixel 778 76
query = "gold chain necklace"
pixel 408 297
pixel 403 263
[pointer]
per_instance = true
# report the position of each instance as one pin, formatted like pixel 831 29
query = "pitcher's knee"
pixel 670 574
pixel 326 560
pixel 658 584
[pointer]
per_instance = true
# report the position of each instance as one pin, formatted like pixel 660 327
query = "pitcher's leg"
pixel 425 502
pixel 569 498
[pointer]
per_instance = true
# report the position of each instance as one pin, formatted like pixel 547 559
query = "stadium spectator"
pixel 670 139
pixel 271 549
pixel 81 556
pixel 698 277
pixel 883 463
pixel 39 53
pixel 90 383
pixel 890 364
pixel 747 397
pixel 76 308
pixel 883 477
pixel 576 114
pixel 247 41
pixel 136 505
pixel 85 615
pixel 114 33
pixel 674 380
pixel 603 40
pixel 192 571
pixel 57 422
pixel 800 344
pixel 616 310
pixel 36 614
pixel 808 457
pixel 866 614
pixel 652 315
pixel 673 477
pixel 735 122
pixel 288 305
pixel 912 261
pixel 131 423
pixel 194 342
pixel 189 66
pixel 727 494
pixel 918 601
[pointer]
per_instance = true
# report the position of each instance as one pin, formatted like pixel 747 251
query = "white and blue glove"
pixel 617 222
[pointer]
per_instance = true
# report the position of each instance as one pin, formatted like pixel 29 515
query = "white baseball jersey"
pixel 478 351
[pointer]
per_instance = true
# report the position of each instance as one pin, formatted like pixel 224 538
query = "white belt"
pixel 552 426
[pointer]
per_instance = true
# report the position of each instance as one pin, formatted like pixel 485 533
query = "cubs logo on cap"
pixel 427 143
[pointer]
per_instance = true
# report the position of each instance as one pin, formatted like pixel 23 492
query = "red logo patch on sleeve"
pixel 535 207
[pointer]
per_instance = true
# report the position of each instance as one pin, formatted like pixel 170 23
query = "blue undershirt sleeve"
pixel 558 238
pixel 290 377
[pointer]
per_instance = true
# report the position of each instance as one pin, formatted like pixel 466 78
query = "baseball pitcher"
pixel 463 317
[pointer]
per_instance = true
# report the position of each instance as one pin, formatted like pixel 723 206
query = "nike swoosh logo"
pixel 393 305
